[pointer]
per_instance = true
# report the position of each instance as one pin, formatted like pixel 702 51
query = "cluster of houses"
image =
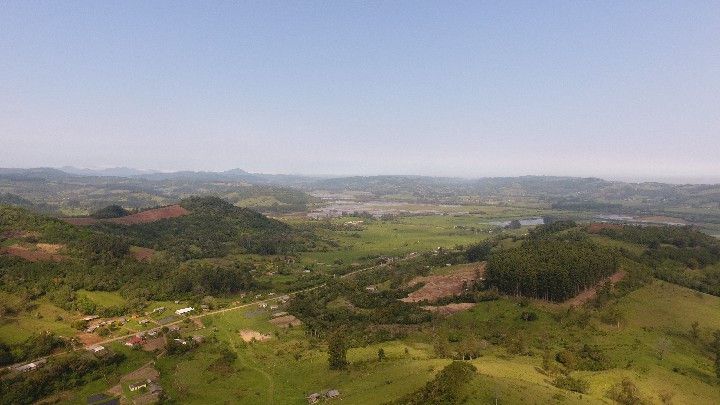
pixel 138 339
pixel 92 326
pixel 327 394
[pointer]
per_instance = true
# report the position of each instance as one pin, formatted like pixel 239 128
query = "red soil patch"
pixel 18 234
pixel 156 214
pixel 596 227
pixel 89 339
pixel 590 293
pixel 445 285
pixel 449 309
pixel 44 253
pixel 171 211
pixel 142 254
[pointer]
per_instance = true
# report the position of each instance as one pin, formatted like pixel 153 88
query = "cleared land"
pixel 445 285
pixel 155 214
pixel 41 252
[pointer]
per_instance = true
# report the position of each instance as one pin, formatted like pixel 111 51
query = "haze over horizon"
pixel 617 91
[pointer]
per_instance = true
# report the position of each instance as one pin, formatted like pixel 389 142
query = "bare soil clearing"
pixel 248 335
pixel 18 234
pixel 449 309
pixel 590 293
pixel 155 214
pixel 88 339
pixel 446 285
pixel 285 321
pixel 151 345
pixel 42 252
pixel 146 372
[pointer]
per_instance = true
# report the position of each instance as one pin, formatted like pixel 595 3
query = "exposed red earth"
pixel 155 214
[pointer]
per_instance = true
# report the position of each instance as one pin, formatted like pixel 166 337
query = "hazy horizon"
pixel 609 90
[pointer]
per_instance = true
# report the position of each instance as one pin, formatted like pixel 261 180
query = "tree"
pixel 337 348
pixel 716 349
pixel 381 354
pixel 663 346
pixel 625 392
pixel 695 330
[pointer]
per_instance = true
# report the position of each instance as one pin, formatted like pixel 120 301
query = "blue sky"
pixel 612 89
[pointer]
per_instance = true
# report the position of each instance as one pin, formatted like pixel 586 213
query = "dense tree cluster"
pixel 111 211
pixel 550 268
pixel 60 373
pixel 445 388
pixel 33 347
pixel 214 228
pixel 678 254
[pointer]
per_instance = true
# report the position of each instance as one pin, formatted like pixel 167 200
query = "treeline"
pixel 32 348
pixel 445 388
pixel 678 254
pixel 60 373
pixel 552 268
pixel 214 228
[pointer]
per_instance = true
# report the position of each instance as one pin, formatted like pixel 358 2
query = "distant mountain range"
pixel 113 171
pixel 71 190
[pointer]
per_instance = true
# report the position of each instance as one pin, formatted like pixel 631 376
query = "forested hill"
pixel 212 228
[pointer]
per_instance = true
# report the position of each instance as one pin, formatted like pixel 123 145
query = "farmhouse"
pixel 184 311
pixel 136 386
pixel 30 366
pixel 134 341
pixel 158 309
pixel 98 350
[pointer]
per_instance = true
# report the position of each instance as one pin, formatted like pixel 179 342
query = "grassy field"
pixel 103 298
pixel 289 366
pixel 402 236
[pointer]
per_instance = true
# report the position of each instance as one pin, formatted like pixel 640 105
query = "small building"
pixel 184 311
pixel 181 341
pixel 30 366
pixel 313 398
pixel 98 350
pixel 138 385
pixel 371 288
pixel 134 341
pixel 158 309
pixel 332 394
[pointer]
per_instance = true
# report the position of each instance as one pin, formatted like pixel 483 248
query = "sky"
pixel 613 89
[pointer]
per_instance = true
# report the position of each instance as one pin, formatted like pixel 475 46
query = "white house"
pixel 183 311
